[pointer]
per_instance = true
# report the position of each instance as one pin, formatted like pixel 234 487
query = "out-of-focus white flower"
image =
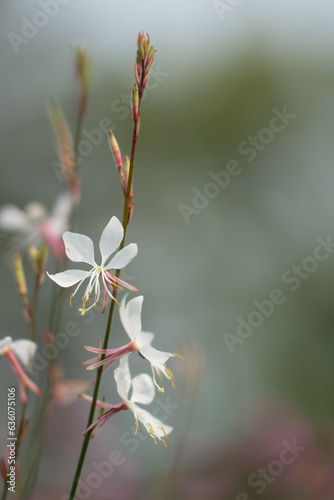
pixel 80 248
pixel 24 350
pixel 34 224
pixel 142 393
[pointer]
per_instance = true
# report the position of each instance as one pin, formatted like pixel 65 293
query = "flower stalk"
pixel 140 74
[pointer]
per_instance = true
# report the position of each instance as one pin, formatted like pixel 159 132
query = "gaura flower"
pixel 80 248
pixel 130 314
pixel 23 350
pixel 35 225
pixel 142 393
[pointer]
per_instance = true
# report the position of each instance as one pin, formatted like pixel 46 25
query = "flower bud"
pixel 149 59
pixel 135 102
pixel 126 169
pixel 141 44
pixel 137 72
pixel 38 259
pixel 115 150
pixel 83 66
pixel 21 281
pixel 66 154
pixel 118 159
pixel 84 74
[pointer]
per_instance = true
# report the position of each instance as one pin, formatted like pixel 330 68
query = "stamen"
pixel 169 375
pixel 136 425
pixel 160 389
pixel 165 434
pixel 71 299
pixel 163 442
pixel 178 356
pixel 106 288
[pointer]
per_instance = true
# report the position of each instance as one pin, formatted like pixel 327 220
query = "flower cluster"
pixel 80 248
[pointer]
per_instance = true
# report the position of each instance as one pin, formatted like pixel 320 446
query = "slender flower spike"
pixel 130 314
pixel 142 392
pixel 23 350
pixel 80 248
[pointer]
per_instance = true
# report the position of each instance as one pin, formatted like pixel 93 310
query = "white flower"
pixel 34 224
pixel 80 248
pixel 142 393
pixel 24 350
pixel 130 314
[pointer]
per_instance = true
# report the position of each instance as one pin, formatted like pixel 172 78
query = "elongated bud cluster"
pixel 144 61
pixel 143 44
pixel 66 153
pixel 83 66
pixel 22 286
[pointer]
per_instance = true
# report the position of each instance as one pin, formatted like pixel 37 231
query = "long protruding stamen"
pixel 169 375
pixel 165 433
pixel 160 389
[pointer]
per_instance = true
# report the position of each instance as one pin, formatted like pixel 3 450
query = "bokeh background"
pixel 221 68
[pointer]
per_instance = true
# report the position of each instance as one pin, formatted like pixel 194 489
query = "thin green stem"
pixel 109 323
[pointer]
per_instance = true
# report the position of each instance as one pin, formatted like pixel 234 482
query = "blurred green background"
pixel 220 71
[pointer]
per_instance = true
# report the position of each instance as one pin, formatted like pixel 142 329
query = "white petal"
pixel 143 390
pixel 79 248
pixel 69 277
pixel 111 238
pixel 14 219
pixel 123 378
pixel 131 316
pixel 24 350
pixel 5 342
pixel 144 338
pixel 150 422
pixel 155 357
pixel 123 257
pixel 124 316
